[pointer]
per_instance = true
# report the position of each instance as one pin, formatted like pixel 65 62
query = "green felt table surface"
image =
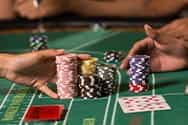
pixel 15 99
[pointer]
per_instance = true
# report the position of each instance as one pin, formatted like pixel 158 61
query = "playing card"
pixel 143 103
pixel 44 112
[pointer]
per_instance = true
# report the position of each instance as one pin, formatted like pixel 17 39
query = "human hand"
pixel 167 47
pixel 35 69
pixel 25 8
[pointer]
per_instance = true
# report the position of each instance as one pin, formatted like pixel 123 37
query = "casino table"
pixel 16 99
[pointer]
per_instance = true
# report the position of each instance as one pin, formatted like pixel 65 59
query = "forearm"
pixel 6 9
pixel 126 8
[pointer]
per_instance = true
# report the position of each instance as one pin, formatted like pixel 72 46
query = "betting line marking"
pixel 153 93
pixel 56 122
pixel 32 98
pixel 107 109
pixel 94 41
pixel 116 99
pixel 68 111
pixel 6 97
pixel 172 94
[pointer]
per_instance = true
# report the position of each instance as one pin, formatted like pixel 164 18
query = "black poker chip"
pixel 107 73
pixel 38 42
pixel 90 86
pixel 113 56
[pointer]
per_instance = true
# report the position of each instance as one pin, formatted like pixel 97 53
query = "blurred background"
pixel 55 15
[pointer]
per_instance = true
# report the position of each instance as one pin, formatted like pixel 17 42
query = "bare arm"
pixel 127 8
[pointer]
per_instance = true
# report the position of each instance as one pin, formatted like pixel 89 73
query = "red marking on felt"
pixel 44 112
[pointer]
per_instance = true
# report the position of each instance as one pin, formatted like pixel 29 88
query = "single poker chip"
pixel 113 56
pixel 137 88
pixel 38 42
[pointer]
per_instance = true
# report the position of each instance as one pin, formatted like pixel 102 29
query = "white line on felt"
pixel 153 84
pixel 94 41
pixel 56 122
pixel 40 95
pixel 171 94
pixel 26 123
pixel 153 93
pixel 116 99
pixel 68 111
pixel 32 98
pixel 107 109
pixel 6 97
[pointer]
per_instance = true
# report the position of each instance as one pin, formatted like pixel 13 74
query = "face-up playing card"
pixel 44 112
pixel 143 103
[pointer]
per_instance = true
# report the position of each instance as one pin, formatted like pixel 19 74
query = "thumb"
pixel 150 32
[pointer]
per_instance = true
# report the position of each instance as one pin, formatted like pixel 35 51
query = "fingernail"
pixel 121 66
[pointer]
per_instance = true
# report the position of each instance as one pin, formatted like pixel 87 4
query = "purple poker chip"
pixel 132 71
pixel 139 69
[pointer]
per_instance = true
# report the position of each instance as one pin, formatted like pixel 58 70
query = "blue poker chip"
pixel 139 66
pixel 139 63
pixel 139 70
pixel 138 82
pixel 138 77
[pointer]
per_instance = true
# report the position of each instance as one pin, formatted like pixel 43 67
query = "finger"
pixel 45 89
pixel 84 56
pixel 51 53
pixel 137 48
pixel 150 32
pixel 42 86
pixel 124 64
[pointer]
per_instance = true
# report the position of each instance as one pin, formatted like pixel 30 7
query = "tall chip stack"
pixel 138 73
pixel 89 83
pixel 67 66
pixel 107 73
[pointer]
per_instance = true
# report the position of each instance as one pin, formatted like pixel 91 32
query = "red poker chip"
pixel 137 88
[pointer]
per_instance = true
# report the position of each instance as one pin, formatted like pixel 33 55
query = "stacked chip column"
pixel 88 82
pixel 67 76
pixel 138 73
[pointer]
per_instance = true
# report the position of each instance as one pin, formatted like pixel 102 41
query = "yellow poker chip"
pixel 88 67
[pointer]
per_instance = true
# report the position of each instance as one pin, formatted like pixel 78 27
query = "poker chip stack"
pixel 113 56
pixel 88 82
pixel 107 74
pixel 38 42
pixel 88 67
pixel 67 66
pixel 138 72
pixel 89 86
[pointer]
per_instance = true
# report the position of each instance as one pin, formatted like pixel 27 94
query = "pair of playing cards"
pixel 143 103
